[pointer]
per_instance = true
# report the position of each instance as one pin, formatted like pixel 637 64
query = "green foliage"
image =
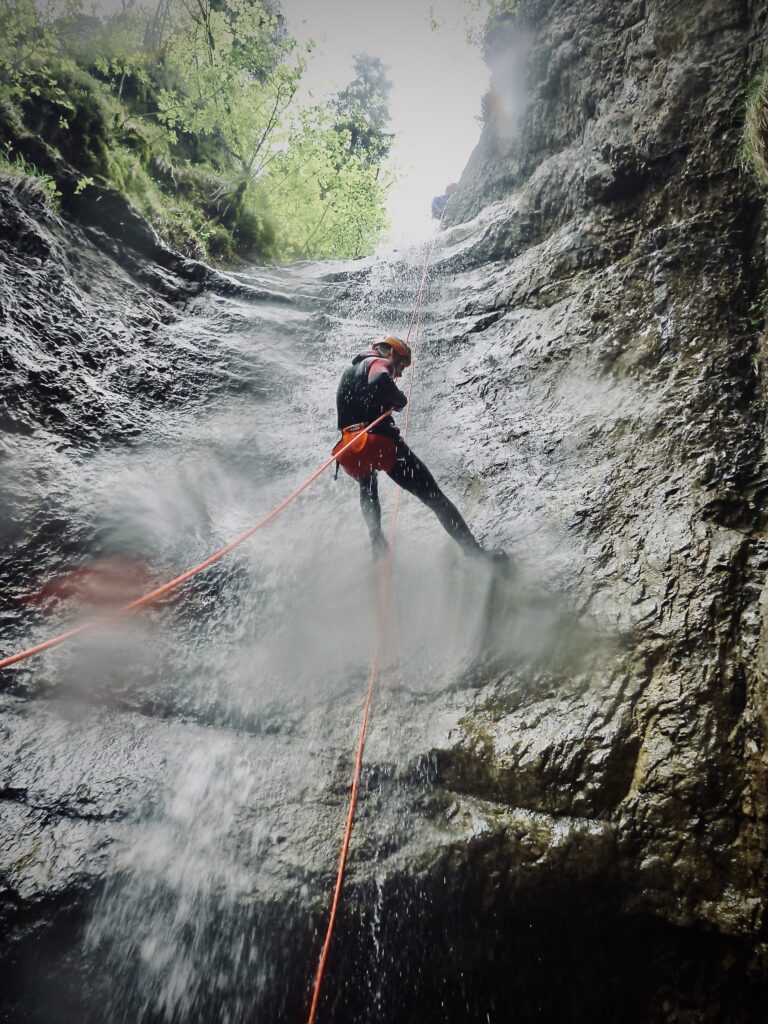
pixel 191 109
pixel 24 177
pixel 340 191
pixel 755 135
pixel 363 109
pixel 28 37
pixel 237 77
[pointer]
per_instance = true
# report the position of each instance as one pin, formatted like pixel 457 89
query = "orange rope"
pixel 166 588
pixel 386 576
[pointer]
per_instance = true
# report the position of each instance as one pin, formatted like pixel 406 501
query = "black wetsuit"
pixel 366 390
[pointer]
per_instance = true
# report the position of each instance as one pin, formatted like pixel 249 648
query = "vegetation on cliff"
pixel 755 139
pixel 192 110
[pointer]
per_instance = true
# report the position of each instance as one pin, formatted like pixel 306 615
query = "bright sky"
pixel 438 80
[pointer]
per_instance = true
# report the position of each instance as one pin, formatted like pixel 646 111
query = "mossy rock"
pixel 206 148
pixel 132 135
pixel 213 195
pixel 220 245
pixel 17 140
pixel 254 233
pixel 70 116
pixel 11 124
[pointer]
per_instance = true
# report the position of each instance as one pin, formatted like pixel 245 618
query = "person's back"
pixel 366 390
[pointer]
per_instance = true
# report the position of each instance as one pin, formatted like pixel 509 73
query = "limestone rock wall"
pixel 616 274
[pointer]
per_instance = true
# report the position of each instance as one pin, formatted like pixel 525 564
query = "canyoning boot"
pixel 498 560
pixel 380 547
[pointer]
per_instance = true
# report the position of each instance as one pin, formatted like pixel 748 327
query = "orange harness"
pixel 369 452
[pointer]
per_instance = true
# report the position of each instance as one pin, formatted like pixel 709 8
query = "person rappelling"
pixel 439 203
pixel 367 389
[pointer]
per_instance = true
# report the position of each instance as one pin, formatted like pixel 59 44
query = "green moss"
pixel 220 245
pixel 67 107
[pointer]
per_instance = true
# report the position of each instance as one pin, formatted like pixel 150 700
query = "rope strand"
pixel 384 590
pixel 385 580
pixel 166 588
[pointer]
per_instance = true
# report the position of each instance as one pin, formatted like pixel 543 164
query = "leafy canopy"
pixel 363 109
pixel 197 103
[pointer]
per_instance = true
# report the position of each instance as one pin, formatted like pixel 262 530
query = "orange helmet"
pixel 397 346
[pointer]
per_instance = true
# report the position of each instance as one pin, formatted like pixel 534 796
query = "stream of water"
pixel 214 733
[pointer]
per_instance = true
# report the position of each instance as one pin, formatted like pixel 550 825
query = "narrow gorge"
pixel 564 808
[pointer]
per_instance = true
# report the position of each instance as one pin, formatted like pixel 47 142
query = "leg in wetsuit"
pixel 369 503
pixel 410 473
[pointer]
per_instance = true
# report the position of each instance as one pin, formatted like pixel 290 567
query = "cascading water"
pixel 213 735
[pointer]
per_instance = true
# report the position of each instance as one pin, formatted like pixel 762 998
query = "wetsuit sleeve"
pixel 386 391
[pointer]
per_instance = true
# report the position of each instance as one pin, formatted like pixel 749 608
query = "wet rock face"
pixel 59 341
pixel 611 289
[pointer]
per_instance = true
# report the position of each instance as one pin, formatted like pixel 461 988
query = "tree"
pixel 363 110
pixel 29 37
pixel 476 16
pixel 327 199
pixel 191 108
pixel 237 76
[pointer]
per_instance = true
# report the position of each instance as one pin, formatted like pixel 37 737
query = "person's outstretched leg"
pixel 410 473
pixel 369 503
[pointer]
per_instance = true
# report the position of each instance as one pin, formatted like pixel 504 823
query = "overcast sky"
pixel 438 80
